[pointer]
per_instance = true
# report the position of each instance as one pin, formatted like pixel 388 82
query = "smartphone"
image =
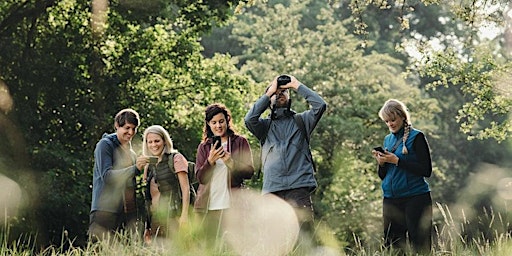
pixel 153 159
pixel 214 140
pixel 380 149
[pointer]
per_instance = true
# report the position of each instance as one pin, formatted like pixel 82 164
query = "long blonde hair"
pixel 162 132
pixel 392 109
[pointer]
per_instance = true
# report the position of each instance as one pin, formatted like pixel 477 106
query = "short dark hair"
pixel 127 115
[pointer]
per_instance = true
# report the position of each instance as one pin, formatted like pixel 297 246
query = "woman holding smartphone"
pixel 222 164
pixel 168 184
pixel 403 166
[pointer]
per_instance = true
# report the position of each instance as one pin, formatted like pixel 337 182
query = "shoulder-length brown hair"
pixel 211 111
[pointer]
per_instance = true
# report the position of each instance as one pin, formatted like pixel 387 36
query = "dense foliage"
pixel 356 76
pixel 66 68
pixel 67 81
pixel 329 60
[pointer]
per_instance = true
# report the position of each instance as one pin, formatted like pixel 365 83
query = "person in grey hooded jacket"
pixel 287 164
pixel 113 186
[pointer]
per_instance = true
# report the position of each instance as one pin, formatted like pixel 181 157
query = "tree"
pixel 329 59
pixel 459 62
pixel 68 76
pixel 396 28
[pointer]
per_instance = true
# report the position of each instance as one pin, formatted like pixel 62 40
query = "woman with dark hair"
pixel 221 165
pixel 403 165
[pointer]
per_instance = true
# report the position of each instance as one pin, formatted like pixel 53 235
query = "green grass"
pixel 451 238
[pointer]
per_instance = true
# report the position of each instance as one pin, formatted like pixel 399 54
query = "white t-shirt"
pixel 219 188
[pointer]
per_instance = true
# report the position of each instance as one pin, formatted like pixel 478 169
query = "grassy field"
pixel 449 239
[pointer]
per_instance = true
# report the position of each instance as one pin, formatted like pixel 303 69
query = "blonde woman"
pixel 168 185
pixel 403 166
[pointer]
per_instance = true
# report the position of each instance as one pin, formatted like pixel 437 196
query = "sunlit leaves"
pixel 68 82
pixel 485 115
pixel 326 57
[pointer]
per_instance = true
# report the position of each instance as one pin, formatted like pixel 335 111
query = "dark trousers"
pixel 410 216
pixel 106 224
pixel 103 224
pixel 300 200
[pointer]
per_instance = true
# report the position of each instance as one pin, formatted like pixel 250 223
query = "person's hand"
pixel 141 162
pixel 272 88
pixel 377 155
pixel 215 154
pixel 228 161
pixel 226 156
pixel 294 83
pixel 386 157
pixel 390 158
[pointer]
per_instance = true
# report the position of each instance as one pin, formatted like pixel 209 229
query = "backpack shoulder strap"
pixel 170 162
pixel 191 172
pixel 191 167
pixel 262 141
pixel 302 127
pixel 191 176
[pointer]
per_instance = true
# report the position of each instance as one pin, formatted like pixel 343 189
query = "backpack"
pixel 192 181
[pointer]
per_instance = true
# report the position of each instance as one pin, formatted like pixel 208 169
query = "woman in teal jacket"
pixel 403 166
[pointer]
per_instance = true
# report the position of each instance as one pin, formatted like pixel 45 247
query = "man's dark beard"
pixel 285 109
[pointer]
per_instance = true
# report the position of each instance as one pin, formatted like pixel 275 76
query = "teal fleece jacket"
pixel 408 177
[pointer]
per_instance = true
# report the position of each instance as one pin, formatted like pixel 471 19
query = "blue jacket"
pixel 114 170
pixel 406 180
pixel 285 154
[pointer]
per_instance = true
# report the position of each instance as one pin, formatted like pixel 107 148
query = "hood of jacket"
pixel 112 137
pixel 279 113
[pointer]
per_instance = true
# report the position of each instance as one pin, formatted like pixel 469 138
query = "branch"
pixel 23 11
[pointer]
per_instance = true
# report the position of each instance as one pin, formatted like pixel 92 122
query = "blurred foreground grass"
pixel 449 239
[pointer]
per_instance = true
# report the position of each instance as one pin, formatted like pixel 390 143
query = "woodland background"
pixel 67 67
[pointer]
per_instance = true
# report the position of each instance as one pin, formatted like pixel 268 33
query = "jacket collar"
pixel 279 113
pixel 113 138
pixel 400 133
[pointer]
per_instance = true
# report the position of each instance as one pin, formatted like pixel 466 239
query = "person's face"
pixel 155 144
pixel 394 123
pixel 280 98
pixel 219 125
pixel 126 132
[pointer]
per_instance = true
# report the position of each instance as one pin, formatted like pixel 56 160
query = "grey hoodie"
pixel 114 170
pixel 286 160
